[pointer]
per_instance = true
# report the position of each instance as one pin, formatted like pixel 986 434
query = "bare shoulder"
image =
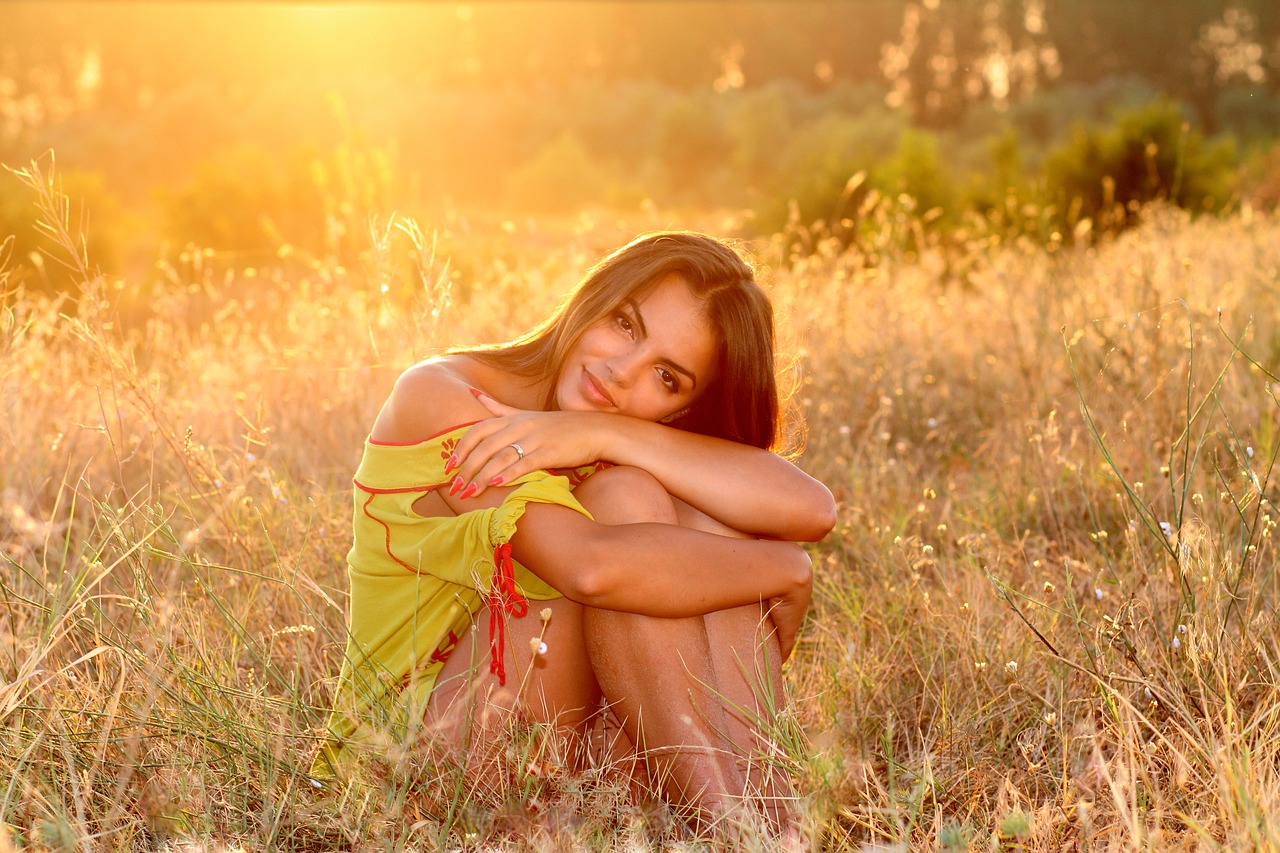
pixel 428 398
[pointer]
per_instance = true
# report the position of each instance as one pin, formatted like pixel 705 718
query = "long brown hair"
pixel 741 402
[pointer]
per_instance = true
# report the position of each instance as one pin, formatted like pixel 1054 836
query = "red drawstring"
pixel 503 599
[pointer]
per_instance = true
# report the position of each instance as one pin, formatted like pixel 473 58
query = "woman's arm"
pixel 743 487
pixel 664 570
pixel 652 569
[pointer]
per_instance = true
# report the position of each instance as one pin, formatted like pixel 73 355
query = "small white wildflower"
pixel 927 550
pixel 980 665
pixel 844 429
pixel 1098 593
pixel 1049 587
pixel 1182 629
pixel 1249 451
pixel 1146 691
pixel 1012 667
pixel 1177 644
pixel 1167 529
pixel 316 783
pixel 249 457
pixel 933 423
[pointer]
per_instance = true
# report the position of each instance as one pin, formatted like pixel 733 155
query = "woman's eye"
pixel 624 323
pixel 669 379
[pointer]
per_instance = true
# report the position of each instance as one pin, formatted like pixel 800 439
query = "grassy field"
pixel 1046 619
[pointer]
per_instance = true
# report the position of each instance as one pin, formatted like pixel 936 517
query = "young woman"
pixel 614 465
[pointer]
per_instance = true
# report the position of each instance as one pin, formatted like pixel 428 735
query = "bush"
pixel 812 173
pixel 245 200
pixel 560 177
pixel 1149 154
pixel 1260 179
pixel 915 170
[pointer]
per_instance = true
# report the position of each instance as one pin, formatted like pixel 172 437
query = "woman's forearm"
pixel 656 569
pixel 744 487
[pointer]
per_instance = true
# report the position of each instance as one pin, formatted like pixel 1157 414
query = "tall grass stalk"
pixel 1047 617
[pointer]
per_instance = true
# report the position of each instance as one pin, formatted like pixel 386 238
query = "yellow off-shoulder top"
pixel 417 581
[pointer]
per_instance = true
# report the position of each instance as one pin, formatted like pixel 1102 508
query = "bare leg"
pixel 689 693
pixel 687 690
pixel 748 676
pixel 468 708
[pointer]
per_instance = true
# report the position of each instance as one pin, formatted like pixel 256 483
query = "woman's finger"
pixel 491 448
pixel 504 464
pixel 470 440
pixel 493 405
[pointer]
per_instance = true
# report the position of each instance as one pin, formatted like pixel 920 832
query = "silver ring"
pixel 518 449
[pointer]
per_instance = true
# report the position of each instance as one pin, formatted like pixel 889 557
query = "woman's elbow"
pixel 819 517
pixel 591 579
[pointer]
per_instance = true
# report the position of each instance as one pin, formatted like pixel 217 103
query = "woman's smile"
pixel 594 390
pixel 648 358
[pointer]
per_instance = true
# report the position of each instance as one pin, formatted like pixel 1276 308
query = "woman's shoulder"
pixel 429 399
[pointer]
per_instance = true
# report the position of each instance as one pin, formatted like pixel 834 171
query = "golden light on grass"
pixel 1024 634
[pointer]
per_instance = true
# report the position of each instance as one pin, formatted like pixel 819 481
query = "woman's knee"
pixel 626 495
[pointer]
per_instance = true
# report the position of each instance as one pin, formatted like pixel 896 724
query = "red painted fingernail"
pixel 496 481
pixel 476 392
pixel 457 484
pixel 470 490
pixel 451 464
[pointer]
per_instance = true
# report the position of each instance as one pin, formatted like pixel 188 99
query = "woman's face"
pixel 648 359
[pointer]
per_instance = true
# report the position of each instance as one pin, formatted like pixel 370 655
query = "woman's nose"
pixel 622 367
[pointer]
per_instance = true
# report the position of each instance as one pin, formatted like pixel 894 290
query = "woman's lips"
pixel 594 391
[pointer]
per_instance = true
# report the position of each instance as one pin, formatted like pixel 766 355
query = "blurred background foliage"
pixel 263 130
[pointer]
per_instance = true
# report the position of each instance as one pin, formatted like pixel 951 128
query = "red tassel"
pixel 504 599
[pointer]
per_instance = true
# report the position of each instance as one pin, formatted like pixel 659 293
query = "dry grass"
pixel 1045 621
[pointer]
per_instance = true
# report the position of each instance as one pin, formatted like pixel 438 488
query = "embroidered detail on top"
pixel 504 600
pixel 578 476
pixel 441 654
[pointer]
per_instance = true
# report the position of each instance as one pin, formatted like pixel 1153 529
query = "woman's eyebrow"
pixel 633 308
pixel 688 374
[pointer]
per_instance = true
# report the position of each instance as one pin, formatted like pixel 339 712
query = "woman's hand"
pixel 787 613
pixel 487 456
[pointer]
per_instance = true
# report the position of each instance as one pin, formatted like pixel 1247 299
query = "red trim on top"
pixel 387 528
pixel 504 599
pixel 370 490
pixel 422 440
